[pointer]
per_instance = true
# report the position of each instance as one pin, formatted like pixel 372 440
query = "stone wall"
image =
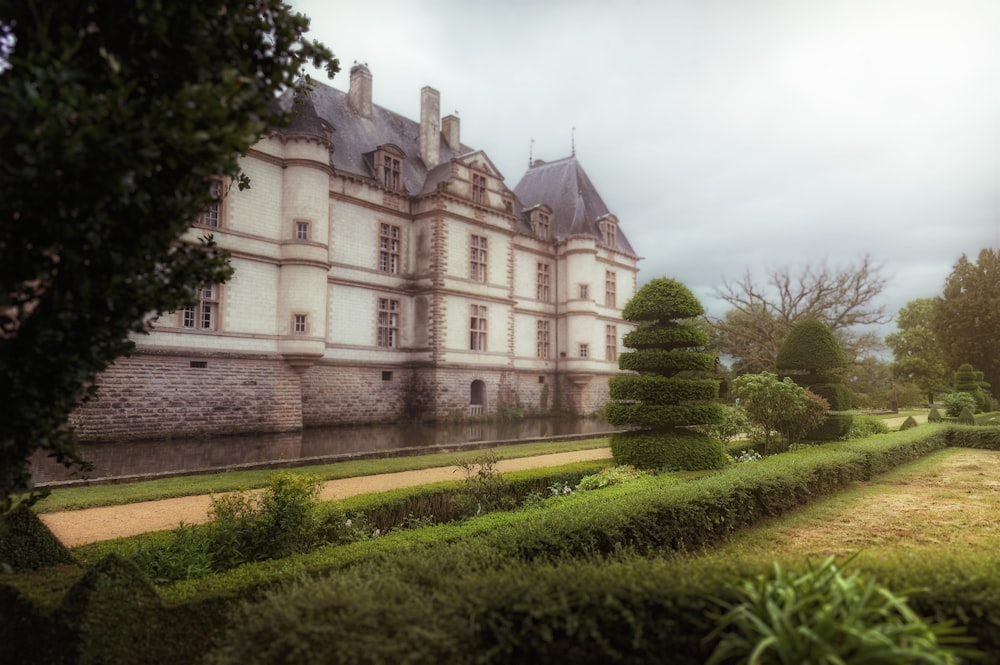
pixel 157 396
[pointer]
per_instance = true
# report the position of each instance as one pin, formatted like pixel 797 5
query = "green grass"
pixel 76 498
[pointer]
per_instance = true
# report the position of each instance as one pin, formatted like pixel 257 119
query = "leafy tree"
pixel 763 315
pixel 113 119
pixel 781 407
pixel 966 318
pixel 811 350
pixel 918 358
pixel 665 344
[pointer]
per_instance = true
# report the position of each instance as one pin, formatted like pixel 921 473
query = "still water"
pixel 143 459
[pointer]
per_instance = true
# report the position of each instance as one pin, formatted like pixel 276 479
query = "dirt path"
pixel 79 527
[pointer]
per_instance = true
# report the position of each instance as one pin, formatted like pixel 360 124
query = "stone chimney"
pixel 450 128
pixel 359 96
pixel 430 127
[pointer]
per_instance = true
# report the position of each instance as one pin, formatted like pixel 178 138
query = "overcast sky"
pixel 726 135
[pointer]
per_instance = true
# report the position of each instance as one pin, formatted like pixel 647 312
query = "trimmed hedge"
pixel 528 610
pixel 27 544
pixel 665 336
pixel 662 389
pixel 836 395
pixel 673 450
pixel 666 362
pixel 651 415
pixel 810 345
pixel 662 299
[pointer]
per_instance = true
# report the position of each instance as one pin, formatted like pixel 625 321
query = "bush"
pixel 966 417
pixel 835 427
pixel 934 416
pixel 865 426
pixel 909 423
pixel 734 422
pixel 613 475
pixel 836 394
pixel 955 402
pixel 673 450
pixel 27 544
pixel 824 617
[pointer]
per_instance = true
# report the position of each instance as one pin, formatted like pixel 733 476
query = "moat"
pixel 123 461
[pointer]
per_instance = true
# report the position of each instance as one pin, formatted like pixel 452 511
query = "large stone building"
pixel 383 269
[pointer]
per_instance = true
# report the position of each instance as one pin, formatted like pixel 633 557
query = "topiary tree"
pixel 656 399
pixel 812 358
pixel 968 380
pixel 966 417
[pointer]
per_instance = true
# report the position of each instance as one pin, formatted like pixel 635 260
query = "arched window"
pixel 478 393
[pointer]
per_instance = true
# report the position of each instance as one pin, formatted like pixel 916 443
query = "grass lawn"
pixel 945 502
pixel 76 498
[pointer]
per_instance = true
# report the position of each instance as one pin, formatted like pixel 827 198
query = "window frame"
pixel 584 350
pixel 387 322
pixel 584 291
pixel 193 317
pixel 300 323
pixel 480 188
pixel 478 328
pixel 543 282
pixel 215 210
pixel 390 248
pixel 478 258
pixel 543 348
pixel 610 288
pixel 302 230
pixel 610 342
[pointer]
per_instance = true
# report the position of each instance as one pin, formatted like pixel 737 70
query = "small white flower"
pixel 349 523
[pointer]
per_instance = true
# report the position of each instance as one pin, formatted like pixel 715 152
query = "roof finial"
pixel 531 150
pixel 572 142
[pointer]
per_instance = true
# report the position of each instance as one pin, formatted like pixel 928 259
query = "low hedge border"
pixel 648 516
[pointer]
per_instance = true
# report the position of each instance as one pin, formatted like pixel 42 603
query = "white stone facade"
pixel 389 271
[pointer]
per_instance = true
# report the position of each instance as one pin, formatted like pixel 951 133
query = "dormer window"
pixel 388 162
pixel 540 218
pixel 609 231
pixel 479 189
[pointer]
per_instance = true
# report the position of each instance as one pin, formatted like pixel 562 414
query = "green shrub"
pixel 810 346
pixel 667 363
pixel 966 417
pixel 734 423
pixel 865 426
pixel 934 416
pixel 836 394
pixel 835 427
pixel 674 450
pixel 613 475
pixel 821 616
pixel 955 402
pixel 664 336
pixel 909 423
pixel 27 544
pixel 662 389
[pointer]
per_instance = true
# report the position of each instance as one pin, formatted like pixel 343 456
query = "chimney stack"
pixel 450 128
pixel 359 96
pixel 430 127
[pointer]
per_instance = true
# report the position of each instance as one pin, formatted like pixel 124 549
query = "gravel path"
pixel 79 527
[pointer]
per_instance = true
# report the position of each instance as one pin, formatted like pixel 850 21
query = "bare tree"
pixel 762 315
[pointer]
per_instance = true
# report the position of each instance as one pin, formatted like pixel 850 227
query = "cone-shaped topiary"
pixel 909 423
pixel 657 399
pixel 934 416
pixel 814 355
pixel 966 417
pixel 26 543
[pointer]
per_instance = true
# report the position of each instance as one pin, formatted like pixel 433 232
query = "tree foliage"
pixel 966 318
pixel 665 345
pixel 917 356
pixel 762 315
pixel 113 118
pixel 810 346
pixel 781 407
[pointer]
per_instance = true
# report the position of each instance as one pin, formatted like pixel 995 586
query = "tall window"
pixel 300 324
pixel 477 328
pixel 610 342
pixel 390 173
pixel 477 258
pixel 204 315
pixel 585 350
pixel 542 290
pixel 388 323
pixel 213 213
pixel 584 292
pixel 542 337
pixel 541 225
pixel 608 233
pixel 388 248
pixel 478 188
pixel 610 298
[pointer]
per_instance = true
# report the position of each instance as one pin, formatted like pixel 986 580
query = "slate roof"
pixel 575 203
pixel 562 184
